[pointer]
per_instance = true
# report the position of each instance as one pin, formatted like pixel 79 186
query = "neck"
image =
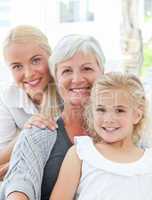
pixel 123 145
pixel 74 122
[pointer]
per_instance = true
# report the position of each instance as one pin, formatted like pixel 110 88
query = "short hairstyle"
pixel 127 82
pixel 27 33
pixel 69 45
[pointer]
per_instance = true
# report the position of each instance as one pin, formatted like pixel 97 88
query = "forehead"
pixel 112 97
pixel 78 58
pixel 18 50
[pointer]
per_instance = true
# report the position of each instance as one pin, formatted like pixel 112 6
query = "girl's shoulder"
pixel 84 147
pixel 88 153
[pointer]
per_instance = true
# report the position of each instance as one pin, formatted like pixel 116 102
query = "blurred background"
pixel 123 27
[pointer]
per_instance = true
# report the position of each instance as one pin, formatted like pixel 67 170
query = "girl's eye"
pixel 17 67
pixel 119 110
pixel 36 61
pixel 101 110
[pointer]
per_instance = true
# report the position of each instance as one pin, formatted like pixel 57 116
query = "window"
pixel 75 10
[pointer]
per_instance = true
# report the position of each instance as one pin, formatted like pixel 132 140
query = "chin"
pixel 78 103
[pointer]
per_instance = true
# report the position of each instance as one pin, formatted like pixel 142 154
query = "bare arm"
pixel 69 176
pixel 5 154
pixel 3 170
pixel 17 196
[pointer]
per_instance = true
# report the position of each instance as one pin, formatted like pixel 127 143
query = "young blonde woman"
pixel 110 165
pixel 75 64
pixel 26 52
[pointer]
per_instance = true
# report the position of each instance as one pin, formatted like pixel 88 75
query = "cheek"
pixel 17 76
pixel 61 87
pixel 43 69
pixel 97 120
pixel 62 83
pixel 94 76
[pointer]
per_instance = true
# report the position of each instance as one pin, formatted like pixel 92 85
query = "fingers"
pixel 3 170
pixel 52 125
pixel 41 121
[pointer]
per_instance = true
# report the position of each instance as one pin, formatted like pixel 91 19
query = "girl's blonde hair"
pixel 24 34
pixel 127 82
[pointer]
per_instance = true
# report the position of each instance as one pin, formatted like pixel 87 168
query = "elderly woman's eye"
pixel 87 68
pixel 66 71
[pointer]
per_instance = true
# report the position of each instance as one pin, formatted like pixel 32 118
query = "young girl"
pixel 109 166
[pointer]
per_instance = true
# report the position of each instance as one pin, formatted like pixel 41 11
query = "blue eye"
pixel 17 67
pixel 36 61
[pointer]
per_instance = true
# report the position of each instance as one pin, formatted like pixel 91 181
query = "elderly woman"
pixel 75 64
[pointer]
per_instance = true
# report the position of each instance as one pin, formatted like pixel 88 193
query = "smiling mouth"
pixel 110 129
pixel 79 90
pixel 33 83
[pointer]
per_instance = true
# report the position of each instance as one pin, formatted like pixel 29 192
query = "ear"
pixel 138 114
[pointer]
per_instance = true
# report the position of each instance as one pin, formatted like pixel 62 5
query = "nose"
pixel 28 71
pixel 77 77
pixel 109 117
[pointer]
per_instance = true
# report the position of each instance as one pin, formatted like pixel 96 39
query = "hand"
pixel 3 170
pixel 41 121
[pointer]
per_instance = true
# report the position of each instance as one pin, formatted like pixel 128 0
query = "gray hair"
pixel 69 45
pixel 27 33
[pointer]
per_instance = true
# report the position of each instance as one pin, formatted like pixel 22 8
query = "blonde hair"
pixel 129 83
pixel 69 45
pixel 24 34
pixel 27 33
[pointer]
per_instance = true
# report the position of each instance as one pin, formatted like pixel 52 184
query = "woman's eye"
pixel 36 61
pixel 87 68
pixel 66 71
pixel 17 67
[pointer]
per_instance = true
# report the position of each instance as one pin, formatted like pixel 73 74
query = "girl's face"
pixel 29 66
pixel 75 78
pixel 114 115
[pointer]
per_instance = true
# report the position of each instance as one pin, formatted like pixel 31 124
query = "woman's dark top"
pixel 54 162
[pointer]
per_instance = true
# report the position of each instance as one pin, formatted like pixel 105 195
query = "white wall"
pixel 44 14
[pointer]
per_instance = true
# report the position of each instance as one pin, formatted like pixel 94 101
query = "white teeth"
pixel 79 90
pixel 33 83
pixel 110 129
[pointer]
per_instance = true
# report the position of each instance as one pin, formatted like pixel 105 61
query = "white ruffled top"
pixel 103 179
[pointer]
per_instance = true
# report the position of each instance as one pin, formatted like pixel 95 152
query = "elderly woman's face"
pixel 75 78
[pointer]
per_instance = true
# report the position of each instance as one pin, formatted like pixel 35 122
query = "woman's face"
pixel 75 78
pixel 29 66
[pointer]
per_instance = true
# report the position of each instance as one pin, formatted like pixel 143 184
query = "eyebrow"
pixel 117 106
pixel 87 63
pixel 99 105
pixel 35 56
pixel 14 63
